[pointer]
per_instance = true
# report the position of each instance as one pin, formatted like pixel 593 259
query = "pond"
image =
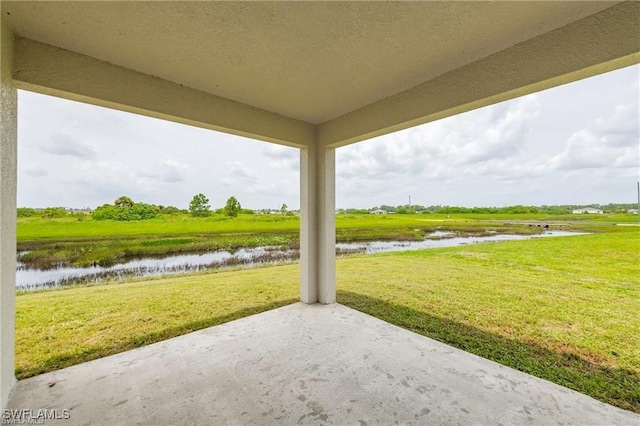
pixel 442 239
pixel 35 279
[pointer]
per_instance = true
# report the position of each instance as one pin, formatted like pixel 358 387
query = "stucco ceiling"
pixel 309 61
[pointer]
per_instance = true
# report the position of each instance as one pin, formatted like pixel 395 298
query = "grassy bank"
pixel 107 251
pixel 59 328
pixel 564 309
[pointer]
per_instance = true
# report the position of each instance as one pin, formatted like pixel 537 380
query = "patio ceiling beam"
pixel 597 44
pixel 58 72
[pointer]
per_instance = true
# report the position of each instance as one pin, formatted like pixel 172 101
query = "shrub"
pixel 125 211
pixel 52 212
pixel 27 212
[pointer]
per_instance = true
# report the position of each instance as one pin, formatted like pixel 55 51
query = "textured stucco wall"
pixel 8 172
pixel 53 71
pixel 317 225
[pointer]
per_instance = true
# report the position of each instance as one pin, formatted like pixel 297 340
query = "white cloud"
pixel 248 181
pixel 492 135
pixel 167 171
pixel 608 142
pixel 237 173
pixel 282 157
pixel 109 177
pixel 239 169
pixel 465 145
pixel 63 144
pixel 35 170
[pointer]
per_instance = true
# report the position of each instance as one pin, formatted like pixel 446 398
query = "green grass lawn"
pixel 564 309
pixel 59 328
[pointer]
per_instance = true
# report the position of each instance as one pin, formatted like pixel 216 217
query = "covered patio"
pixel 306 364
pixel 315 76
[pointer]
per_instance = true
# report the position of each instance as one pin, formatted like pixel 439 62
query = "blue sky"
pixel 574 144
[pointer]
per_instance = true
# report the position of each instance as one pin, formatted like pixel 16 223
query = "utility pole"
pixel 409 200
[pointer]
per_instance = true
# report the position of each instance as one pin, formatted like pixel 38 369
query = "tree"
pixel 169 210
pixel 51 212
pixel 123 202
pixel 121 210
pixel 233 207
pixel 140 211
pixel 26 212
pixel 105 212
pixel 199 206
pixel 283 209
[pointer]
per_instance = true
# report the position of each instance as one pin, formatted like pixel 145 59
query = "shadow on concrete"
pixel 67 360
pixel 615 386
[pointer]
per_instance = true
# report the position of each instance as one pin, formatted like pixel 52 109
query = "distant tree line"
pixel 46 212
pixel 125 209
pixel 517 209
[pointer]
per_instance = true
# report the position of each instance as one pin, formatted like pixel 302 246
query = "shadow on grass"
pixel 66 360
pixel 619 387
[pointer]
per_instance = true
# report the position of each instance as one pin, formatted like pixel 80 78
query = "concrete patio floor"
pixel 320 364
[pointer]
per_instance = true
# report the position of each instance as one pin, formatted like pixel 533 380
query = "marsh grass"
pixel 34 228
pixel 103 251
pixel 48 243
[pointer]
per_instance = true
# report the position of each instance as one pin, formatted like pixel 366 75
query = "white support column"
pixel 8 182
pixel 317 225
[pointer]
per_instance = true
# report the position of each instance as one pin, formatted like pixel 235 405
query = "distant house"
pixel 632 211
pixel 379 211
pixel 85 210
pixel 589 210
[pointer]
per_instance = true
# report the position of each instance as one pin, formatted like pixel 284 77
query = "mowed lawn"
pixel 564 309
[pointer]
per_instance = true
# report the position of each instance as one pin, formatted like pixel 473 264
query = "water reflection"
pixel 443 239
pixel 33 279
